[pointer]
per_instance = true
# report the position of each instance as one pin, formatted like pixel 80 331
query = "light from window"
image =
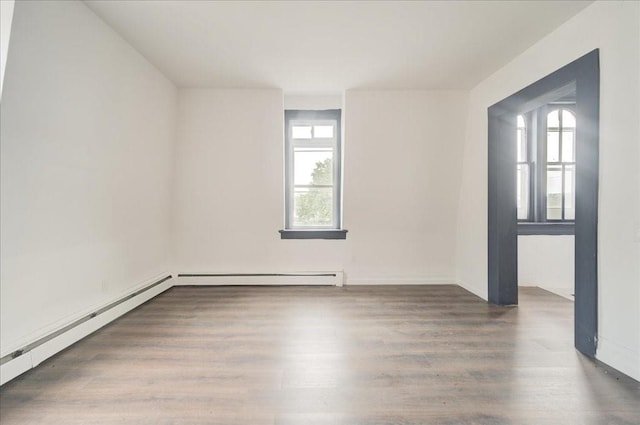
pixel 554 192
pixel 301 132
pixel 553 146
pixel 568 119
pixel 523 177
pixel 569 191
pixel 323 131
pixel 560 166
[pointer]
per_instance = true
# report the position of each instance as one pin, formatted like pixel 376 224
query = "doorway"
pixel 583 76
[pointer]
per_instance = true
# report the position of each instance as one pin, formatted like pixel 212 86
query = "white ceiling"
pixel 330 46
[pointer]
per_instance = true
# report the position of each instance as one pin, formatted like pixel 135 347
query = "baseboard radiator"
pixel 32 354
pixel 332 278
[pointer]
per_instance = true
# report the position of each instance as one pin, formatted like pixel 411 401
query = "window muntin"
pixel 312 171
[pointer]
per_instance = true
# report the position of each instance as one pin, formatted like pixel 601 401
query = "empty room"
pixel 320 212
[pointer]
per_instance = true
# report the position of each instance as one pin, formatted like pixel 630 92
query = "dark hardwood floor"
pixel 327 355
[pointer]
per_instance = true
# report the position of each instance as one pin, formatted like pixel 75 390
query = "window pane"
pixel 313 206
pixel 568 119
pixel 521 140
pixel 521 148
pixel 569 192
pixel 568 142
pixel 553 119
pixel 312 166
pixel 554 192
pixel 553 146
pixel 323 131
pixel 301 132
pixel 522 196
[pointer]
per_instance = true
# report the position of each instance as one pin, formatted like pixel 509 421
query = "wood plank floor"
pixel 327 355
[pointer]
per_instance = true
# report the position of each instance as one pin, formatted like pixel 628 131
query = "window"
pixel 313 175
pixel 546 169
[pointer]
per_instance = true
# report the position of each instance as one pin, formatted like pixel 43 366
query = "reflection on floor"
pixel 327 355
pixel 566 292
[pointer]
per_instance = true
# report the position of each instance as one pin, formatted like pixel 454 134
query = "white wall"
pixel 400 185
pixel 86 144
pixel 547 262
pixel 402 176
pixel 313 101
pixel 612 27
pixel 6 17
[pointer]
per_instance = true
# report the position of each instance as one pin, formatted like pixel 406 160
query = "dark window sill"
pixel 546 228
pixel 313 234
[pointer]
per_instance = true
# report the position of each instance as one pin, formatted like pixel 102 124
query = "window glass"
pixel 521 139
pixel 312 166
pixel 323 131
pixel 522 196
pixel 553 146
pixel 313 206
pixel 301 132
pixel 553 119
pixel 569 193
pixel 554 192
pixel 568 143
pixel 568 119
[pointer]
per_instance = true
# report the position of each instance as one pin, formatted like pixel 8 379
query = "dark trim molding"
pixel 525 229
pixel 584 74
pixel 502 214
pixel 313 234
pixel 587 181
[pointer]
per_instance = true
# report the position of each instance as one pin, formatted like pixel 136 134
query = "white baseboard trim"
pixel 332 278
pixel 398 281
pixel 619 357
pixel 35 353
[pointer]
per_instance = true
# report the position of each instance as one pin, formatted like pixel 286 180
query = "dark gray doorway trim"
pixel 584 75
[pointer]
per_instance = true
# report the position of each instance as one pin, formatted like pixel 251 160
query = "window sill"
pixel 313 234
pixel 546 228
